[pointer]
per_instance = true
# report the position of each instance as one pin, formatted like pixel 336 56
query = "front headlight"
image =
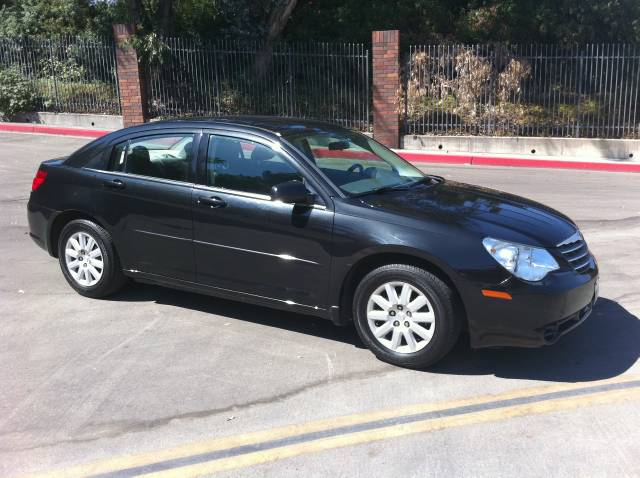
pixel 526 262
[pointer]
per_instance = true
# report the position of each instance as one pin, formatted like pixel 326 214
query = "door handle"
pixel 113 184
pixel 213 201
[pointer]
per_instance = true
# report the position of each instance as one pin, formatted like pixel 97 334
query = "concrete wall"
pixel 619 149
pixel 79 120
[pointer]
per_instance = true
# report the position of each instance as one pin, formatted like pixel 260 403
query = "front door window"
pixel 243 165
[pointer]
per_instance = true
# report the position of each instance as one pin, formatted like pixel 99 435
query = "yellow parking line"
pixel 193 459
pixel 275 454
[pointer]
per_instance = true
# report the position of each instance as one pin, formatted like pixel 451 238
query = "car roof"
pixel 271 125
pixel 274 124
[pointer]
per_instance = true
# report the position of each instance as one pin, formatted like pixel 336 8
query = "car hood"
pixel 485 211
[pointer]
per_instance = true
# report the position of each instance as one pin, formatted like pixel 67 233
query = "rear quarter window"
pixel 97 160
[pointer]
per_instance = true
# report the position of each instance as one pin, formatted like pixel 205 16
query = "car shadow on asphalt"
pixel 605 346
pixel 304 324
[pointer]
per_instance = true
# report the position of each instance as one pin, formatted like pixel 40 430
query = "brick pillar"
pixel 386 82
pixel 130 79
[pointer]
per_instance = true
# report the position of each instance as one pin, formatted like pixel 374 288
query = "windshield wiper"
pixel 431 178
pixel 401 186
pixel 383 189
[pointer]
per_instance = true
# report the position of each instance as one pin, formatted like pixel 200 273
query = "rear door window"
pixel 157 156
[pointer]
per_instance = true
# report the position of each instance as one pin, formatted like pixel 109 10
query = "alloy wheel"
pixel 84 259
pixel 401 317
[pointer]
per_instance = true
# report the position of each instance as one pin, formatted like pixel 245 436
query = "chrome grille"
pixel 576 252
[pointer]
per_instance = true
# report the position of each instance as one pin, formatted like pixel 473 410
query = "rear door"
pixel 145 196
pixel 244 241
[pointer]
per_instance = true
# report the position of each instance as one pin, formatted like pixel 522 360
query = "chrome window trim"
pixel 232 192
pixel 140 176
pixel 235 192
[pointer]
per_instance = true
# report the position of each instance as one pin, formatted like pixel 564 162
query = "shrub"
pixel 16 93
pixel 63 70
pixel 76 97
pixel 463 87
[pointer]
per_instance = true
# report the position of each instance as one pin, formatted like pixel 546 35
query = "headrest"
pixel 139 152
pixel 138 160
pixel 262 153
pixel 227 149
pixel 139 155
pixel 187 149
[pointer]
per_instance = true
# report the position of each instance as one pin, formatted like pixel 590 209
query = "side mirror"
pixel 292 192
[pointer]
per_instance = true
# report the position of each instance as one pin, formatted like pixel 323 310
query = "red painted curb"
pixel 59 130
pixel 554 163
pixel 409 156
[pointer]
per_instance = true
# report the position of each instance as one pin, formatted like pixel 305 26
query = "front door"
pixel 244 241
pixel 145 197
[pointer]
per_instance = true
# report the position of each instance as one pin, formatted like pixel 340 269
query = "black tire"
pixel 112 278
pixel 447 320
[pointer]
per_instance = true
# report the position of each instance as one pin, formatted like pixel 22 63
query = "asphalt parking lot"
pixel 156 380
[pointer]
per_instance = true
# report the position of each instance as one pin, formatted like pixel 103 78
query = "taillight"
pixel 38 180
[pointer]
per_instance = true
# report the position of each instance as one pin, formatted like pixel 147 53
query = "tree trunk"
pixel 134 10
pixel 277 21
pixel 165 12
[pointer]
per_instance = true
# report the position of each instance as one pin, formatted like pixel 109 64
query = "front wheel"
pixel 406 315
pixel 88 259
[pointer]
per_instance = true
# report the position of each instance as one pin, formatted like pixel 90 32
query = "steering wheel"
pixel 371 172
pixel 353 167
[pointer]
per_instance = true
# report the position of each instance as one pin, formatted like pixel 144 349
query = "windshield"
pixel 352 161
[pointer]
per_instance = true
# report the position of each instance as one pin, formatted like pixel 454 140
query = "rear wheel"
pixel 88 259
pixel 406 315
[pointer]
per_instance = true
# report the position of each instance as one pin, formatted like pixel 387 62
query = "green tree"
pixel 424 21
pixel 420 21
pixel 52 17
pixel 16 93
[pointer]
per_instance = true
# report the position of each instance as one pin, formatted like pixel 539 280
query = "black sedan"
pixel 317 219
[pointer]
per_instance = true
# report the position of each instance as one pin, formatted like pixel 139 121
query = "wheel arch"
pixel 372 261
pixel 62 220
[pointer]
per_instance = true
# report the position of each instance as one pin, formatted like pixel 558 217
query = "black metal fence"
pixel 324 81
pixel 66 74
pixel 525 90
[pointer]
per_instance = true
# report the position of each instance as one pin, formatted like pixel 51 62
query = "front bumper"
pixel 552 332
pixel 538 314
